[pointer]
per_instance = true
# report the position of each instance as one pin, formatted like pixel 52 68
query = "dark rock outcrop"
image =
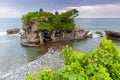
pixel 98 32
pixel 113 35
pixel 13 31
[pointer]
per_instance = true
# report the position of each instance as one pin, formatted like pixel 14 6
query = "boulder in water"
pixel 13 31
pixel 90 35
pixel 113 35
pixel 98 32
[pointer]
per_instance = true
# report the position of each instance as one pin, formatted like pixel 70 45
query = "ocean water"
pixel 99 24
pixel 12 54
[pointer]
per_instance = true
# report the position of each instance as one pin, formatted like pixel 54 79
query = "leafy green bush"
pixel 102 63
pixel 64 21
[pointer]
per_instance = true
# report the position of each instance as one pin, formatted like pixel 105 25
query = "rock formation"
pixel 44 27
pixel 13 31
pixel 90 35
pixel 35 39
pixel 114 35
pixel 98 32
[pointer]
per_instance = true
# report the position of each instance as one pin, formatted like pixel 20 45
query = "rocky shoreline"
pixel 35 39
pixel 52 60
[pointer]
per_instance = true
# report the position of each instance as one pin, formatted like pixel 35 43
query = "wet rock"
pixel 38 38
pixel 79 35
pixel 29 42
pixel 113 35
pixel 13 31
pixel 98 32
pixel 90 35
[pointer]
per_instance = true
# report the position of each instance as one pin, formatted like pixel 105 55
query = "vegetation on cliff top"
pixel 102 63
pixel 49 21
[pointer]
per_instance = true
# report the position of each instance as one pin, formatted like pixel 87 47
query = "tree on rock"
pixel 41 10
pixel 49 21
pixel 56 13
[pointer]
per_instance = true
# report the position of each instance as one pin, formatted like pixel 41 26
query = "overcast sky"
pixel 87 8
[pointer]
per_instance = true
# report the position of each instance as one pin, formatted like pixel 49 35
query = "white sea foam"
pixel 51 60
pixel 95 34
pixel 7 74
pixel 3 33
pixel 13 35
pixel 7 41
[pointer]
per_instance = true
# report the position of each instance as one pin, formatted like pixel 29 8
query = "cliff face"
pixel 36 38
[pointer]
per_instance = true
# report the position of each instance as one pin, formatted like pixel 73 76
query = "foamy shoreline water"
pixel 51 60
pixel 3 33
pixel 95 34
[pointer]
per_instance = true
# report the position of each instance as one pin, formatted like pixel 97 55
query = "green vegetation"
pixel 102 63
pixel 49 21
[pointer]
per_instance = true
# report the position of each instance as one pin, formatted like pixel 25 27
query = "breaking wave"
pixel 95 34
pixel 5 34
pixel 7 41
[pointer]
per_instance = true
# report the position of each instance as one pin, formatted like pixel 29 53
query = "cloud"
pixel 93 11
pixel 9 13
pixel 97 11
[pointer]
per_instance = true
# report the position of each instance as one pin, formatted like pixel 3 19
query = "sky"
pixel 86 8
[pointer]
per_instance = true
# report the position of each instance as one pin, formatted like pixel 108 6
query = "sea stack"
pixel 41 27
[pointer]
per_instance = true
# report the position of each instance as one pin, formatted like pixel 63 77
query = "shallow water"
pixel 86 44
pixel 51 60
pixel 98 24
pixel 12 53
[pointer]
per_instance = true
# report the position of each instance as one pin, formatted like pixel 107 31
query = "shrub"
pixel 64 21
pixel 102 63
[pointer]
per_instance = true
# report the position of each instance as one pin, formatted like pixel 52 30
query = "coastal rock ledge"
pixel 113 35
pixel 35 39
